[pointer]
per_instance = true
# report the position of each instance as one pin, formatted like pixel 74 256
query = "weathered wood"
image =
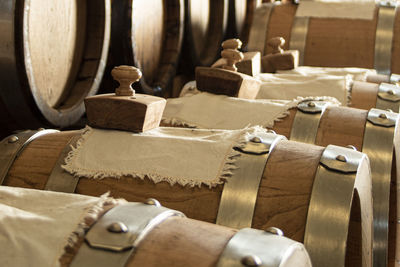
pixel 251 63
pixel 57 57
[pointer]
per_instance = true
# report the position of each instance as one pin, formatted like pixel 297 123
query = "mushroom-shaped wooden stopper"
pixel 232 44
pixel 279 59
pixel 126 76
pixel 232 56
pixel 124 110
pixel 276 43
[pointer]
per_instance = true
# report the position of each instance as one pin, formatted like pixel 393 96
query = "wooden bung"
pixel 279 59
pixel 226 80
pixel 125 110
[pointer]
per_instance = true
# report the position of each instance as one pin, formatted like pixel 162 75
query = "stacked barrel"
pixel 268 171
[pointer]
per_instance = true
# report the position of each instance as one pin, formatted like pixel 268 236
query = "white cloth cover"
pixel 291 86
pixel 344 9
pixel 177 155
pixel 358 74
pixel 35 225
pixel 209 111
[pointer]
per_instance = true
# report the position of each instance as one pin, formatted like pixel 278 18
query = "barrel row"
pixel 47 74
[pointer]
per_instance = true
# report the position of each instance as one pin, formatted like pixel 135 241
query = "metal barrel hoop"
pixel 12 146
pixel 251 247
pixel 239 195
pixel 115 236
pixel 259 31
pixel 306 121
pixel 388 97
pixel 330 205
pixel 378 144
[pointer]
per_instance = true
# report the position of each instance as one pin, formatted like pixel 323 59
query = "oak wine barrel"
pixel 240 18
pixel 53 55
pixel 131 234
pixel 289 195
pixel 148 35
pixel 205 27
pixel 331 42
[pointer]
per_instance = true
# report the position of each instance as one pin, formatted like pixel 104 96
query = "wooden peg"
pixel 125 110
pixel 249 64
pixel 276 43
pixel 279 59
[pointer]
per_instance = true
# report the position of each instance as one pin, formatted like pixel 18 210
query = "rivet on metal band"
pixel 388 97
pixel 259 30
pixel 239 195
pixel 298 36
pixel 328 215
pixel 378 145
pixel 251 247
pixel 306 121
pixel 60 180
pixel 12 146
pixel 115 236
pixel 384 37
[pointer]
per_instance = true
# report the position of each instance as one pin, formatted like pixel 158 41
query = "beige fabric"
pixel 345 9
pixel 177 155
pixel 209 111
pixel 358 74
pixel 291 86
pixel 35 225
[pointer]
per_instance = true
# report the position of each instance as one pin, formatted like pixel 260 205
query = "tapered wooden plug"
pixel 125 110
pixel 279 59
pixel 223 79
pixel 250 64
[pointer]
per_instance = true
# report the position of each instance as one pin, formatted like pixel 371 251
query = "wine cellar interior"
pixel 200 133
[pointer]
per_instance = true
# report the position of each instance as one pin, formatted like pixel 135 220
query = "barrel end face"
pixel 137 113
pixel 225 82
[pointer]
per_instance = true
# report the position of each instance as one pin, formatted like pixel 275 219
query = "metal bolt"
pixel 391 92
pixel 255 139
pixel 341 158
pixel 117 227
pixel 351 147
pixel 251 261
pixel 275 231
pixel 271 131
pixel 311 104
pixel 389 110
pixel 13 139
pixel 40 129
pixel 383 116
pixel 152 201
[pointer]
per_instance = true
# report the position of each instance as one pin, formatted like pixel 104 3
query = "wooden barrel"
pixel 205 27
pixel 329 42
pixel 160 236
pixel 240 18
pixel 53 56
pixel 148 35
pixel 366 130
pixel 284 200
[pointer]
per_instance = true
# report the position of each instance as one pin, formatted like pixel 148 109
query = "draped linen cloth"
pixel 192 157
pixel 36 225
pixel 357 74
pixel 291 86
pixel 209 111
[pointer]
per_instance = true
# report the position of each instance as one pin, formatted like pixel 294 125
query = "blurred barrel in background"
pixel 52 55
